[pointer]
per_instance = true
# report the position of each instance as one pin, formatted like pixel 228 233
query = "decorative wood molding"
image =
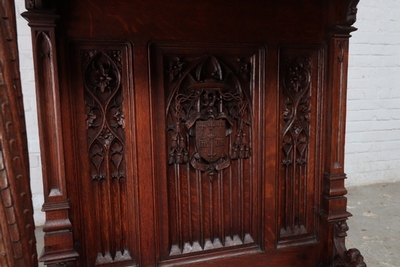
pixel 57 226
pixel 17 237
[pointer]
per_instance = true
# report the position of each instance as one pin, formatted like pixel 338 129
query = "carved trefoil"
pixel 211 183
pixel 300 86
pixel 102 71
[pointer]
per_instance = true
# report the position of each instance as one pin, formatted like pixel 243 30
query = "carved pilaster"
pixel 343 15
pixel 58 235
pixel 17 239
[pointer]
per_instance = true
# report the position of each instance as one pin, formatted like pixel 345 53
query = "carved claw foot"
pixel 352 258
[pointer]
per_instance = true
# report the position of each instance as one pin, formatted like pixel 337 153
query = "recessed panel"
pixel 205 102
pixel 300 88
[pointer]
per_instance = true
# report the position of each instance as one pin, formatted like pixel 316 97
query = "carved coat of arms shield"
pixel 211 139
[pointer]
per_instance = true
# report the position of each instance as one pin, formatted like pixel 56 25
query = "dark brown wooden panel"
pixel 208 170
pixel 301 84
pixel 106 182
pixel 218 146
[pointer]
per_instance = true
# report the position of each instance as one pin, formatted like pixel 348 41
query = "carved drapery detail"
pixel 106 149
pixel 206 104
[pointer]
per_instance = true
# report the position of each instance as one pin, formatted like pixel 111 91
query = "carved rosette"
pixel 208 105
pixel 105 118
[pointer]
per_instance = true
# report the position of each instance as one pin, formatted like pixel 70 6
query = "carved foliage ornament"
pixel 207 104
pixel 296 84
pixel 105 117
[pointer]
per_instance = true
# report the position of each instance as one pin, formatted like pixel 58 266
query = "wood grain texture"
pixel 209 131
pixel 202 134
pixel 58 226
pixel 106 179
pixel 301 85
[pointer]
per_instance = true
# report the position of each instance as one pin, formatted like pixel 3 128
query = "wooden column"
pixel 58 235
pixel 17 237
pixel 334 204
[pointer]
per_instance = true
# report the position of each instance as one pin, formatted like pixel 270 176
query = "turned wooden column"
pixel 58 234
pixel 17 237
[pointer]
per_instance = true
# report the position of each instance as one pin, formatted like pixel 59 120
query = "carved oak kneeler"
pixel 193 133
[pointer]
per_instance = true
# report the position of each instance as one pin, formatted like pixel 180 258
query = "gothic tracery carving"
pixel 208 104
pixel 298 74
pixel 105 118
pixel 296 84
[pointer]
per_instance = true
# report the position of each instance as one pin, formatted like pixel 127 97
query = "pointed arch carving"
pixel 209 95
pixel 208 103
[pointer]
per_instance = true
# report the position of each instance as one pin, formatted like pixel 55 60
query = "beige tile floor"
pixel 374 227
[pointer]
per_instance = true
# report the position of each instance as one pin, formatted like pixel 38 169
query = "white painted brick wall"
pixel 373 107
pixel 373 119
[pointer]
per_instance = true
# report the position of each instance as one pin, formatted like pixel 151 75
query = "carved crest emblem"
pixel 208 108
pixel 211 139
